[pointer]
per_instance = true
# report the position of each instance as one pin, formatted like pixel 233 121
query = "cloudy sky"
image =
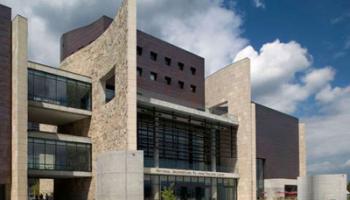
pixel 299 50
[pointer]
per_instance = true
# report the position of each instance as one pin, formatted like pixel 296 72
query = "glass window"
pixel 181 66
pixel 139 71
pixel 167 61
pixel 181 84
pixel 153 76
pixel 168 80
pixel 139 50
pixel 153 56
pixel 46 87
pixel 193 71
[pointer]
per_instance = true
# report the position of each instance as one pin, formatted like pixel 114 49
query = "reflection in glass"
pixel 45 87
pixel 57 155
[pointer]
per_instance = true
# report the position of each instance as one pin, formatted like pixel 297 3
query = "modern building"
pixel 126 115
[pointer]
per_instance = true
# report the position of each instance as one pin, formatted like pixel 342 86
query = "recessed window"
pixel 181 66
pixel 153 56
pixel 108 83
pixel 181 84
pixel 139 71
pixel 153 76
pixel 168 80
pixel 193 70
pixel 167 61
pixel 193 88
pixel 139 51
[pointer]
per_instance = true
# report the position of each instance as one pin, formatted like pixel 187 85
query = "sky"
pixel 299 51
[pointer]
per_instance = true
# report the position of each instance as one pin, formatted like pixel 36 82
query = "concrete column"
pixel 156 142
pixel 214 191
pixel 213 149
pixel 302 150
pixel 19 181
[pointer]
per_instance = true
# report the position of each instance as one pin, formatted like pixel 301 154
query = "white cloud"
pixel 282 75
pixel 259 3
pixel 202 27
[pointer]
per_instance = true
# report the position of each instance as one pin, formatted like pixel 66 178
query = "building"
pixel 279 142
pixel 323 187
pixel 125 116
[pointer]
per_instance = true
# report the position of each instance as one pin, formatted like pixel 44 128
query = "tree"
pixel 348 187
pixel 168 193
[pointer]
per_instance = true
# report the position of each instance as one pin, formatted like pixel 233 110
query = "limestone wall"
pixel 19 109
pixel 302 150
pixel 113 124
pixel 232 84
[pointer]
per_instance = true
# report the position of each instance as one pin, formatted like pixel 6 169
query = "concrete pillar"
pixel 302 150
pixel 19 109
pixel 213 149
pixel 156 142
pixel 214 191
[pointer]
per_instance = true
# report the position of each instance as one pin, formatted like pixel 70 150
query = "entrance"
pixel 192 191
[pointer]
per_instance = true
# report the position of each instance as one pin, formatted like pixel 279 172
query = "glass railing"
pixel 44 154
pixel 49 88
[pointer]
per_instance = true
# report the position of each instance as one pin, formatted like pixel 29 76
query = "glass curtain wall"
pixel 189 188
pixel 45 87
pixel 58 155
pixel 184 142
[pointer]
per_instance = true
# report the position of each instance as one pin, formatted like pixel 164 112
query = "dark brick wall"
pixel 5 94
pixel 76 39
pixel 277 141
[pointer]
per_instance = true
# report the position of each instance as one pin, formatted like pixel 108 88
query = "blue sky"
pixel 299 52
pixel 323 27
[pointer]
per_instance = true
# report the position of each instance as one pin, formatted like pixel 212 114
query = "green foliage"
pixel 348 187
pixel 168 193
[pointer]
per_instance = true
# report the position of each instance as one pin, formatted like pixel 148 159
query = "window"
pixel 181 66
pixel 153 76
pixel 153 56
pixel 139 71
pixel 193 70
pixel 168 80
pixel 193 88
pixel 167 61
pixel 181 84
pixel 139 51
pixel 108 83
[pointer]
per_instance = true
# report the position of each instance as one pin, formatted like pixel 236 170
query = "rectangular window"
pixel 167 61
pixel 153 76
pixel 168 80
pixel 193 70
pixel 181 84
pixel 193 88
pixel 108 83
pixel 153 56
pixel 181 66
pixel 139 51
pixel 139 71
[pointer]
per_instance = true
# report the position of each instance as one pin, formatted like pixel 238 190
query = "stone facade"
pixel 235 89
pixel 302 150
pixel 19 109
pixel 113 124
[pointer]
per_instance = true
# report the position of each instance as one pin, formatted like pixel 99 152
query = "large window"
pixel 45 87
pixel 260 168
pixel 190 188
pixel 58 155
pixel 176 141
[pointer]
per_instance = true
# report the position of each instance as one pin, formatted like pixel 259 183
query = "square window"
pixel 153 56
pixel 181 66
pixel 153 76
pixel 168 80
pixel 139 51
pixel 193 70
pixel 167 61
pixel 181 84
pixel 193 88
pixel 139 71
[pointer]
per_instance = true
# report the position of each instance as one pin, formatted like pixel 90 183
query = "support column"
pixel 19 181
pixel 156 140
pixel 213 149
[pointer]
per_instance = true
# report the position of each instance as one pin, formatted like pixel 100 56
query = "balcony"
pixel 53 156
pixel 55 99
